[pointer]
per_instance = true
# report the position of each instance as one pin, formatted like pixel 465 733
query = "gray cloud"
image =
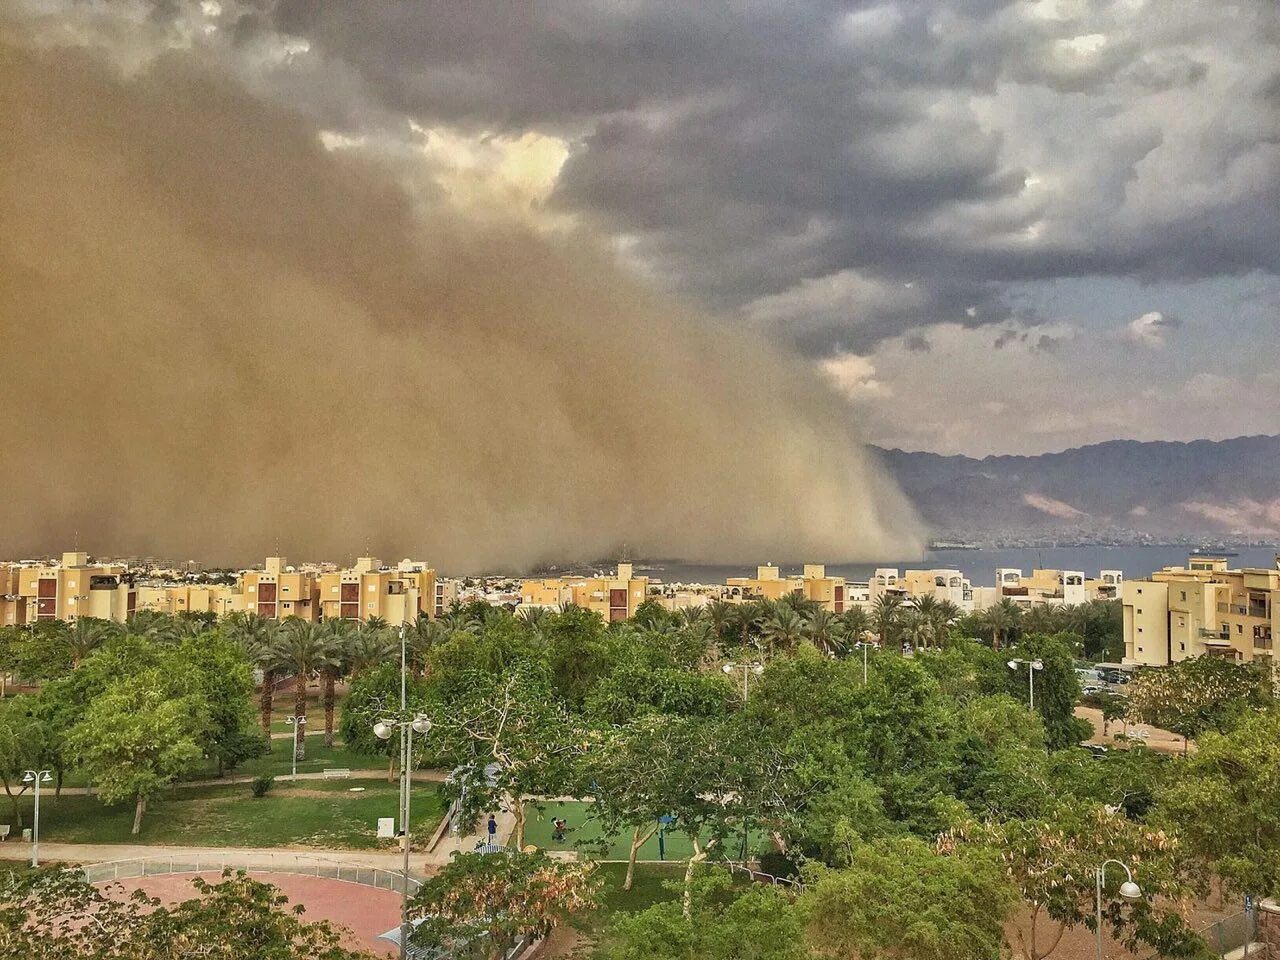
pixel 957 144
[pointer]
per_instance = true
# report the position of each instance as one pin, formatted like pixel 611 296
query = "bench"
pixel 337 773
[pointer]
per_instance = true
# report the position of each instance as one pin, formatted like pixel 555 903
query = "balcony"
pixel 1207 634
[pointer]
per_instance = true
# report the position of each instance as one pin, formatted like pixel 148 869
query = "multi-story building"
pixel 72 588
pixel 812 584
pixel 171 598
pixel 13 606
pixel 278 591
pixel 1202 608
pixel 396 594
pixel 1056 587
pixel 614 598
pixel 948 584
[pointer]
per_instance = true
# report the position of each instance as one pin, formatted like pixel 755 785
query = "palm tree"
pixel 366 649
pixel 856 623
pixel 302 648
pixel 1001 618
pixel 337 635
pixel 538 619
pixel 85 636
pixel 784 628
pixel 886 613
pixel 720 614
pixel 154 626
pixel 826 630
pixel 799 603
pixel 421 637
pixel 257 636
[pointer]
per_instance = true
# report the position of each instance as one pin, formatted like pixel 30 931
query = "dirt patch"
pixel 1165 741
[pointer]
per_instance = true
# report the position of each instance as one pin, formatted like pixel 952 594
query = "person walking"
pixel 493 830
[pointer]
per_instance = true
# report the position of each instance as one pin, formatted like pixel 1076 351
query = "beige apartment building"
pixel 614 598
pixel 396 594
pixel 219 599
pixel 13 606
pixel 70 588
pixel 812 584
pixel 1202 608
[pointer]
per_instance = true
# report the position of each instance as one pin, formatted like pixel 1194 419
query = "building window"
pixel 1139 591
pixel 1139 649
pixel 1184 596
pixel 1139 629
pixel 1139 611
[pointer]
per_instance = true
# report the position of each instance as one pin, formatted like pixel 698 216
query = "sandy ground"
pixel 1155 738
pixel 363 911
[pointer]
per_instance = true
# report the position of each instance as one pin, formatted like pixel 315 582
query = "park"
pixel 745 780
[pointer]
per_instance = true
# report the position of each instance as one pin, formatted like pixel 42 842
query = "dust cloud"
pixel 219 339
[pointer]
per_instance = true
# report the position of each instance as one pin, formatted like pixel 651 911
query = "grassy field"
pixel 313 813
pixel 279 762
pixel 585 833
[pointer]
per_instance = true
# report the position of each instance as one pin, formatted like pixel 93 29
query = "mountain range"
pixel 1121 489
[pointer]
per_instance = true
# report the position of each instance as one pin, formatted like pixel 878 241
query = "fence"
pixel 291 863
pixel 1231 933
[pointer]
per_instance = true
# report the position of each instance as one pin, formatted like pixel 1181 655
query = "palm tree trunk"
pixel 268 694
pixel 330 681
pixel 299 712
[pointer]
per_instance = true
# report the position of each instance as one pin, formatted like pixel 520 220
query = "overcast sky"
pixel 996 227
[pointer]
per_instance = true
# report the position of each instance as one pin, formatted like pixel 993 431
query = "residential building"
pixel 1202 608
pixel 219 599
pixel 944 584
pixel 398 594
pixel 13 606
pixel 278 591
pixel 812 584
pixel 614 598
pixel 71 588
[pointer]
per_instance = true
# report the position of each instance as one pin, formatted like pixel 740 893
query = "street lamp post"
pixel 747 670
pixel 297 723
pixel 1129 892
pixel 1032 667
pixel 865 645
pixel 407 725
pixel 36 777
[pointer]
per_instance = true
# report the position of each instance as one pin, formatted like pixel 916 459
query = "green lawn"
pixel 313 813
pixel 279 762
pixel 585 833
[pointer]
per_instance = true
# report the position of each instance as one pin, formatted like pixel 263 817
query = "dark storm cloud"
pixel 960 145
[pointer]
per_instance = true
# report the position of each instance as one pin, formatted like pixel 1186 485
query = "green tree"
pixel 1000 620
pixel 256 636
pixel 226 684
pixel 724 923
pixel 500 898
pixel 1052 862
pixel 23 742
pixel 302 649
pixel 886 617
pixel 1225 804
pixel 54 913
pixel 899 899
pixel 511 734
pixel 825 630
pixel 1198 694
pixel 138 737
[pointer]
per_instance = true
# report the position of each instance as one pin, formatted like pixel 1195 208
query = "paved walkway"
pixel 263 858
pixel 419 776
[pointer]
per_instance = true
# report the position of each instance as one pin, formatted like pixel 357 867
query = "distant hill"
pixel 1122 488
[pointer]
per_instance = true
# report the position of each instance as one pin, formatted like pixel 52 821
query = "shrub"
pixel 262 784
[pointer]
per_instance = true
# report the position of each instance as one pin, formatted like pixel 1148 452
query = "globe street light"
pixel 1032 667
pixel 297 723
pixel 747 670
pixel 408 725
pixel 1130 892
pixel 36 777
